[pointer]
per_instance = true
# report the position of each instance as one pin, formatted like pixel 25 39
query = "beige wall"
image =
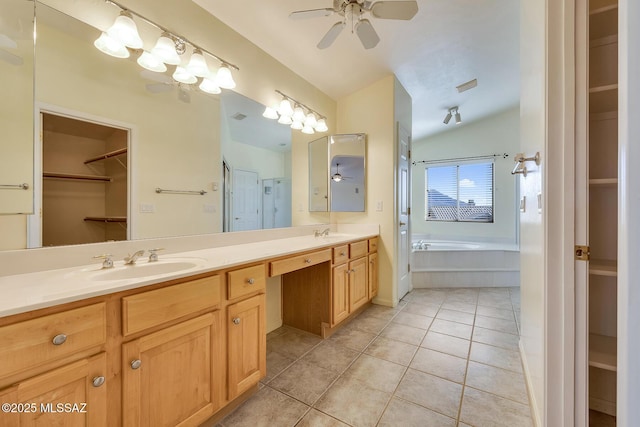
pixel 497 134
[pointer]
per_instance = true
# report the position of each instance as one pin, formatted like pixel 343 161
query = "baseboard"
pixel 533 404
pixel 385 302
pixel 603 406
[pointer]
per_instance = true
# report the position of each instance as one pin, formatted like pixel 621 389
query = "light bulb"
pixel 285 120
pixel 165 50
pixel 224 77
pixel 270 113
pixel 321 126
pixel 124 29
pixel 209 85
pixel 107 44
pixel 198 64
pixel 297 125
pixel 285 108
pixel 308 130
pixel 151 63
pixel 298 114
pixel 183 76
pixel 310 120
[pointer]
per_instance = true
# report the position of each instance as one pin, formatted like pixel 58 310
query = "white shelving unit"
pixel 603 204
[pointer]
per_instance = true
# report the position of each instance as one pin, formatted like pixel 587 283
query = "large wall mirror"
pixel 337 173
pixel 128 154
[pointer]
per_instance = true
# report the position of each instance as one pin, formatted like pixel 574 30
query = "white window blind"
pixel 461 193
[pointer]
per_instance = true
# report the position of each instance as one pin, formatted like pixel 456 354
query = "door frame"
pixel 34 221
pixel 401 131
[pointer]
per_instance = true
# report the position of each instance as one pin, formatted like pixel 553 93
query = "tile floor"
pixel 443 357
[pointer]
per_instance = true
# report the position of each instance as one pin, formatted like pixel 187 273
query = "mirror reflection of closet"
pixel 84 185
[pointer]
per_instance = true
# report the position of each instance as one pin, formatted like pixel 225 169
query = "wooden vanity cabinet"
pixel 71 395
pixel 349 285
pixel 339 294
pixel 373 267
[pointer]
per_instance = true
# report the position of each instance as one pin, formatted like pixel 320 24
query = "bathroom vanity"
pixel 174 342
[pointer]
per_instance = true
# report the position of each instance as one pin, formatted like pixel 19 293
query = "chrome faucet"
pixel 131 259
pixel 324 232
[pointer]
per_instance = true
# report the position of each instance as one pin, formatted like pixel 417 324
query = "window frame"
pixel 457 164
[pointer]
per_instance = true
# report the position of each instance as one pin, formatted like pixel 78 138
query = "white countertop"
pixel 30 291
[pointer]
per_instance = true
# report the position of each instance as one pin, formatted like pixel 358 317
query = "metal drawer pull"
pixel 236 320
pixel 342 253
pixel 307 260
pixel 135 364
pixel 59 339
pixel 251 281
pixel 98 381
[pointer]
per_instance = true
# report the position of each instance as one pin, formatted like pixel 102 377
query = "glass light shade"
pixel 285 120
pixel 285 108
pixel 310 120
pixel 224 77
pixel 197 64
pixel 297 125
pixel 270 113
pixel 111 46
pixel 298 114
pixel 308 130
pixel 209 85
pixel 183 76
pixel 125 30
pixel 165 50
pixel 151 63
pixel 321 126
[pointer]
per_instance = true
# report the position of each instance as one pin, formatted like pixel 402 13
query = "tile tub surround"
pixel 390 367
pixel 38 278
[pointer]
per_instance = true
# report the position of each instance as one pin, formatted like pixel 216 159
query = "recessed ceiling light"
pixel 468 85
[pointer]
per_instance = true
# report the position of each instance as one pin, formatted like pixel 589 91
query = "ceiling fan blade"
pixel 331 35
pixel 7 42
pixel 311 13
pixel 367 34
pixel 404 10
pixel 10 58
pixel 158 87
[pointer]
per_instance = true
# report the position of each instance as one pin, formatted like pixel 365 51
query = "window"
pixel 459 193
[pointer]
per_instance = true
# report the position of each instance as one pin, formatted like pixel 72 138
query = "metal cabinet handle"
pixel 135 364
pixel 342 253
pixel 236 320
pixel 307 260
pixel 251 281
pixel 402 224
pixel 59 339
pixel 97 381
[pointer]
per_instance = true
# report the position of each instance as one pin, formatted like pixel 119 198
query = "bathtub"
pixel 474 264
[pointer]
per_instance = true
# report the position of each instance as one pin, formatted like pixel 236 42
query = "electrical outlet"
pixel 379 206
pixel 147 208
pixel 214 186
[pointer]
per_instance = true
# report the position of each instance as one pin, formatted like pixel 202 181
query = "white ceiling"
pixel 447 43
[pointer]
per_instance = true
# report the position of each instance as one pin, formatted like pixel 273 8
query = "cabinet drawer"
pixel 246 280
pixel 153 308
pixel 297 262
pixel 340 254
pixel 358 249
pixel 373 244
pixel 31 343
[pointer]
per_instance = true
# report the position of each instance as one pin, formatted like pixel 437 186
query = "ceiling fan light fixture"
pixel 270 113
pixel 336 177
pixel 182 75
pixel 151 63
pixel 165 50
pixel 125 30
pixel 321 126
pixel 111 46
pixel 198 64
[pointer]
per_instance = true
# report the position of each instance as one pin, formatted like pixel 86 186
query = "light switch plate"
pixel 147 208
pixel 540 203
pixel 379 206
pixel 523 204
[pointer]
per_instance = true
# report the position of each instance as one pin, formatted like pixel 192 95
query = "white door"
pixel 403 211
pixel 246 196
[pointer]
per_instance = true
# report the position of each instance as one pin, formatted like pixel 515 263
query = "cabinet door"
pixel 358 286
pixel 73 395
pixel 169 377
pixel 373 275
pixel 247 358
pixel 339 294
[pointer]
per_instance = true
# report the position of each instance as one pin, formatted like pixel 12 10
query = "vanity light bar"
pixel 308 124
pixel 178 38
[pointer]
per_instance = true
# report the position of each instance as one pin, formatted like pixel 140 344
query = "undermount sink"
pixel 144 269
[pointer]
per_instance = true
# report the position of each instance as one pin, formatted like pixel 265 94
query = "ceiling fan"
pixel 353 11
pixel 337 177
pixel 166 84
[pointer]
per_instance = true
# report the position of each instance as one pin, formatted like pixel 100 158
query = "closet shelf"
pixel 603 9
pixel 601 267
pixel 77 177
pixel 603 41
pixel 603 181
pixel 604 88
pixel 108 155
pixel 603 352
pixel 106 218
